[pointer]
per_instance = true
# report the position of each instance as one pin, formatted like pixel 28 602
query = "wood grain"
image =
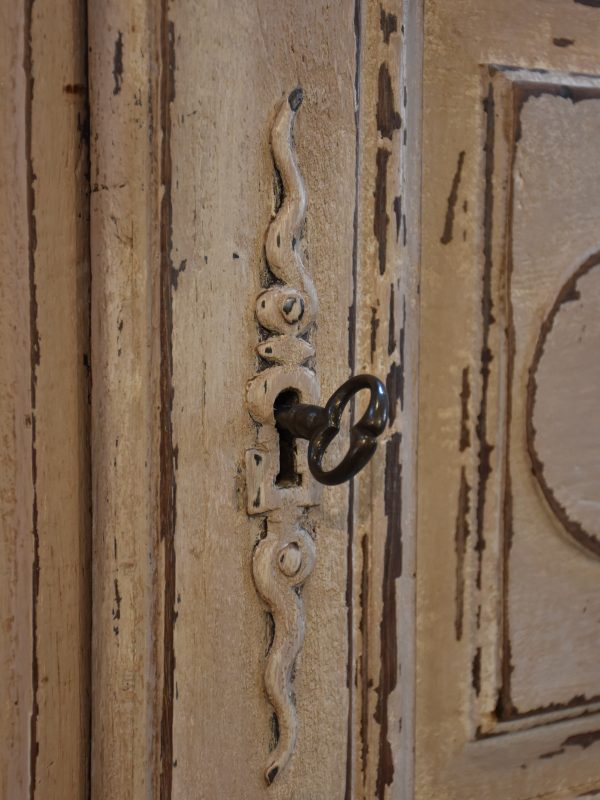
pixel 222 205
pixel 386 344
pixel 132 523
pixel 45 403
pixel 184 191
pixel 505 654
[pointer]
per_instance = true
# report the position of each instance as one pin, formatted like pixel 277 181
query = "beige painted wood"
pixel 16 475
pixel 223 199
pixel 387 345
pixel 508 572
pixel 555 663
pixel 182 195
pixel 126 170
pixel 44 677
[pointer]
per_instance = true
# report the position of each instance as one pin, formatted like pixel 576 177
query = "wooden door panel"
pixel 223 201
pixel 550 454
pixel 509 335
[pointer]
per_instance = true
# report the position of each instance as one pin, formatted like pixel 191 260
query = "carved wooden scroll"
pixel 284 558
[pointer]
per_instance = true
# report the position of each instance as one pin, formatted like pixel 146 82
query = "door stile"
pixel 44 410
pixel 130 406
pixel 387 345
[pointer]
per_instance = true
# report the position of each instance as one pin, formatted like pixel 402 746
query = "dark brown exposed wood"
pixel 388 119
pixel 562 41
pixel 34 363
pixel 118 63
pixel 485 449
pixel 380 217
pixel 461 534
pixel 364 657
pixel 394 383
pixel 350 665
pixel 168 454
pixel 583 740
pixel 447 234
pixel 392 323
pixel 388 23
pixel 389 665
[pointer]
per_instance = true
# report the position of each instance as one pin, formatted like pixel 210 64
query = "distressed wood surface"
pixel 44 418
pixel 492 690
pixel 182 106
pixel 549 263
pixel 507 598
pixel 284 558
pixel 386 344
pixel 132 464
pixel 223 200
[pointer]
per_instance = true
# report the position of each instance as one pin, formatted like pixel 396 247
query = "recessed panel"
pixel 552 489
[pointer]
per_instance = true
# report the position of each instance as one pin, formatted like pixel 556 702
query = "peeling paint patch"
pixel 34 362
pixel 392 323
pixel 446 236
pixel 388 119
pixel 461 534
pixel 116 612
pixel 388 23
pixel 374 328
pixel 390 667
pixel 398 215
pixel 465 394
pixel 583 740
pixel 394 384
pixel 168 451
pixel 485 448
pixel 552 753
pixel 476 672
pixel 118 64
pixel 380 217
pixel 74 88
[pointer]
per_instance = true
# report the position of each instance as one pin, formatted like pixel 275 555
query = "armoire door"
pixel 215 210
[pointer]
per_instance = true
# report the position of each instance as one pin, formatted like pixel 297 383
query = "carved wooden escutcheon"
pixel 285 557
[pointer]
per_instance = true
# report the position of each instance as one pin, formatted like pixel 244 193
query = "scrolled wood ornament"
pixel 285 557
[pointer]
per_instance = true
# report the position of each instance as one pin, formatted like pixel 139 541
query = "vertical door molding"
pixel 133 606
pixel 17 494
pixel 44 414
pixel 385 342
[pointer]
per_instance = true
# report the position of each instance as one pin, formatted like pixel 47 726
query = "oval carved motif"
pixel 563 406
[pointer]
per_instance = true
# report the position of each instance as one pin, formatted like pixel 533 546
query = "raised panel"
pixel 545 140
pixel 508 577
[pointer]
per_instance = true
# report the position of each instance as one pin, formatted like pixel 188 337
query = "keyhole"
pixel 288 475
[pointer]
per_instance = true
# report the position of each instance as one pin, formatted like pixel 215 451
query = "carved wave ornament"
pixel 563 408
pixel 284 558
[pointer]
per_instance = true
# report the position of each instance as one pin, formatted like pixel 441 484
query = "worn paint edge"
pixel 168 453
pixel 34 363
pixel 350 666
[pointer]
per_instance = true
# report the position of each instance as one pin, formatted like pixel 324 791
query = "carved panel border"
pixel 506 89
